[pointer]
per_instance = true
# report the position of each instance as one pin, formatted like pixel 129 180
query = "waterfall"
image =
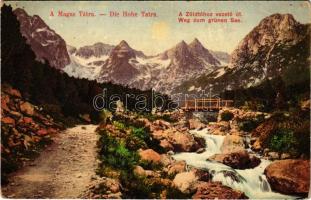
pixel 252 182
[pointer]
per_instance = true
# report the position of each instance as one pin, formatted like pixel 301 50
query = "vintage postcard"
pixel 155 99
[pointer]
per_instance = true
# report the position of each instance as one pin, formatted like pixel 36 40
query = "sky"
pixel 154 35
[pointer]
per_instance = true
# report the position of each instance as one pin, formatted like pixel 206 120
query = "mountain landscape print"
pixel 155 99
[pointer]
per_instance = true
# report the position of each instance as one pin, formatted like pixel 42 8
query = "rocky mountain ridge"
pixel 277 47
pixel 277 28
pixel 119 64
pixel 186 61
pixel 97 50
pixel 182 62
pixel 118 67
pixel 45 42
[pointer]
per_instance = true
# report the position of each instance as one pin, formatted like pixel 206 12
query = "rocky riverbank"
pixel 142 161
pixel 172 155
pixel 136 154
pixel 282 137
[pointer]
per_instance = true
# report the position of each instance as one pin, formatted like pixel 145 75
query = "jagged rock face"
pixel 97 50
pixel 162 72
pixel 180 54
pixel 122 64
pixel 100 49
pixel 108 63
pixel 86 62
pixel 186 61
pixel 199 50
pixel 278 47
pixel 189 57
pixel 46 44
pixel 271 30
pixel 117 67
pixel 121 53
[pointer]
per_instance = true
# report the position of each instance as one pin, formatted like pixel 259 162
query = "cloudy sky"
pixel 154 35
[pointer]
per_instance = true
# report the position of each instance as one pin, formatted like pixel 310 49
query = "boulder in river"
pixel 165 144
pixel 219 128
pixel 172 139
pixel 215 190
pixel 237 160
pixel 176 167
pixel 162 124
pixel 289 176
pixel 166 160
pixel 196 124
pixel 273 155
pixel 186 181
pixel 150 156
pixel 232 143
pixel 202 174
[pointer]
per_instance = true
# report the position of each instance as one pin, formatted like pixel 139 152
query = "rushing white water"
pixel 252 182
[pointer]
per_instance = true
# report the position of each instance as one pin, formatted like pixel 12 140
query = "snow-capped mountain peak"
pixel 122 64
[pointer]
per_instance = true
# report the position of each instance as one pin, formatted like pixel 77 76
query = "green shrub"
pixel 283 140
pixel 115 153
pixel 119 125
pixel 137 138
pixel 143 139
pixel 119 156
pixel 129 121
pixel 226 116
pixel 139 132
